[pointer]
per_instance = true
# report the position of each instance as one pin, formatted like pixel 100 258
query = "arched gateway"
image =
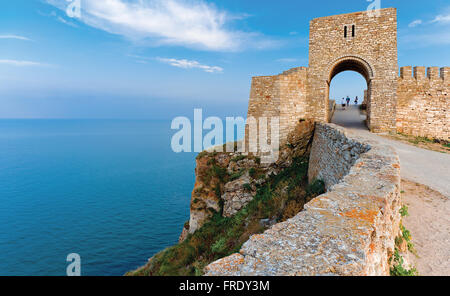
pixel 361 42
pixel 366 43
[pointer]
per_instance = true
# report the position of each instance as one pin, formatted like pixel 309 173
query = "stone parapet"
pixel 348 231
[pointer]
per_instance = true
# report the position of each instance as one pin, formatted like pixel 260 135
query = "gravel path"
pixel 429 223
pixel 419 165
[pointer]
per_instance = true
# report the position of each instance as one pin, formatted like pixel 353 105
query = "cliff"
pixel 235 197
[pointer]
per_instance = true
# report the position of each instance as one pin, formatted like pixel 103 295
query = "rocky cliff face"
pixel 235 197
pixel 227 182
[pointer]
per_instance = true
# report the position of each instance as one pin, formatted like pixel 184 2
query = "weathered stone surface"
pixel 184 233
pixel 236 196
pixel 204 199
pixel 350 230
pixel 333 154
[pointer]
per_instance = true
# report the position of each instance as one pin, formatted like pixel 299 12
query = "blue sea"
pixel 110 190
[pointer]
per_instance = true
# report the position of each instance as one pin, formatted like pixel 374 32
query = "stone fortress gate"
pixel 366 43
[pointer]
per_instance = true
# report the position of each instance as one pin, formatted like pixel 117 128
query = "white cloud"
pixel 15 37
pixel 415 23
pixel 189 23
pixel 19 63
pixel 187 64
pixel 442 19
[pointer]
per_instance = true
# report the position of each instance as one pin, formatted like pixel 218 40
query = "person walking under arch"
pixel 356 100
pixel 348 101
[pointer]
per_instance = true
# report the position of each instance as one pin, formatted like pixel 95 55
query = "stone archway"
pixel 363 44
pixel 351 63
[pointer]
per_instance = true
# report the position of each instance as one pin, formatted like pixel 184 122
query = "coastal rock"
pixel 227 182
pixel 236 195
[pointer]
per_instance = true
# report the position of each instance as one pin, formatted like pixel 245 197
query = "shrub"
pixel 219 245
pixel 247 187
pixel 404 211
pixel 236 175
pixel 316 188
pixel 398 269
pixel 238 158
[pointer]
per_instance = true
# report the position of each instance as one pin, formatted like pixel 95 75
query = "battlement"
pixel 406 72
pixel 422 73
pixel 419 73
pixel 445 74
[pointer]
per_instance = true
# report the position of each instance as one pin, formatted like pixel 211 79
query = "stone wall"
pixel 332 155
pixel 350 230
pixel 423 107
pixel 282 96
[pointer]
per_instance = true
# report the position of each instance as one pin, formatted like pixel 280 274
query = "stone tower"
pixel 360 42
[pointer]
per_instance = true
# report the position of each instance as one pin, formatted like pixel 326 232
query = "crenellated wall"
pixel 349 231
pixel 423 102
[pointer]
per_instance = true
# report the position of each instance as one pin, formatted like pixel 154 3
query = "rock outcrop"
pixel 227 182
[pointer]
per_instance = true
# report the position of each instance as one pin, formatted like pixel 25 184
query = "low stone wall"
pixel 350 230
pixel 333 154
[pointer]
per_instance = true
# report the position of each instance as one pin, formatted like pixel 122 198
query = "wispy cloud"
pixel 19 63
pixel 187 64
pixel 442 19
pixel 66 22
pixel 15 37
pixel 193 24
pixel 415 23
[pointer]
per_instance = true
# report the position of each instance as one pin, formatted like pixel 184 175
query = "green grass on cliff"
pixel 280 198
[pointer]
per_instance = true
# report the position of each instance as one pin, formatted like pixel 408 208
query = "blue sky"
pixel 157 59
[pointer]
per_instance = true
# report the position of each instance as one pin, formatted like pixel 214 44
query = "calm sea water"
pixel 111 191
